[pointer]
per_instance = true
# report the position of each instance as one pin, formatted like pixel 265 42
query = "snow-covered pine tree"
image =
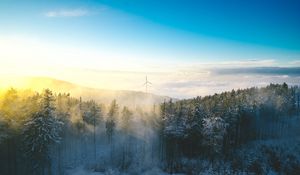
pixel 40 132
pixel 194 120
pixel 214 129
pixel 231 117
pixel 174 132
pixel 169 118
pixel 193 128
pixel 177 121
pixel 161 122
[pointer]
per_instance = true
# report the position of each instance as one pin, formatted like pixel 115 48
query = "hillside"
pixel 123 97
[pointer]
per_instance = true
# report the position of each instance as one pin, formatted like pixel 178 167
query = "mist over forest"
pixel 243 131
pixel 150 87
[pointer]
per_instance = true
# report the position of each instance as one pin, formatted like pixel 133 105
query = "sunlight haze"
pixel 113 45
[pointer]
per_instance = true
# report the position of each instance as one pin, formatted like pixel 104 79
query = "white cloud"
pixel 68 13
pixel 295 63
pixel 253 62
pixel 105 69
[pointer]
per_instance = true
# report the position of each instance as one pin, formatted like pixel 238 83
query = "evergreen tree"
pixel 92 116
pixel 40 132
pixel 176 121
pixel 195 120
pixel 11 101
pixel 193 129
pixel 126 128
pixel 111 125
pixel 111 120
pixel 4 129
pixel 214 129
pixel 126 120
pixel 161 123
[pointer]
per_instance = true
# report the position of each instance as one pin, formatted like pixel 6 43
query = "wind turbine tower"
pixel 146 84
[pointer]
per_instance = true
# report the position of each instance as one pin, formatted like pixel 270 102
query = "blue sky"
pixel 238 29
pixel 147 36
pixel 272 23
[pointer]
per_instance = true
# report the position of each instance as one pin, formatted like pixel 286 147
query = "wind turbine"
pixel 146 84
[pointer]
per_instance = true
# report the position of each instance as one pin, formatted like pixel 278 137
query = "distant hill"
pixel 123 97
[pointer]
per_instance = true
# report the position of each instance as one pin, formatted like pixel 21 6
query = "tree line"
pixel 214 126
pixel 45 133
pixel 33 124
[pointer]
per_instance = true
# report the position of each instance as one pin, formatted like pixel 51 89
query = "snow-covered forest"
pixel 245 131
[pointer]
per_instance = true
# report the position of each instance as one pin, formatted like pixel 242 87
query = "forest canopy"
pixel 58 132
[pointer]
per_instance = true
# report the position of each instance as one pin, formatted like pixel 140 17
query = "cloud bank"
pixel 287 71
pixel 22 56
pixel 68 13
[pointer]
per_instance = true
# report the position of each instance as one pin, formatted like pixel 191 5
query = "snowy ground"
pixel 263 154
pixel 83 171
pixel 282 149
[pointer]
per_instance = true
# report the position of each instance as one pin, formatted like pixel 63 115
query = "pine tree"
pixel 176 122
pixel 126 119
pixel 126 128
pixel 169 118
pixel 193 128
pixel 40 132
pixel 4 129
pixel 173 132
pixel 11 101
pixel 195 120
pixel 111 125
pixel 111 120
pixel 214 129
pixel 161 123
pixel 93 117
